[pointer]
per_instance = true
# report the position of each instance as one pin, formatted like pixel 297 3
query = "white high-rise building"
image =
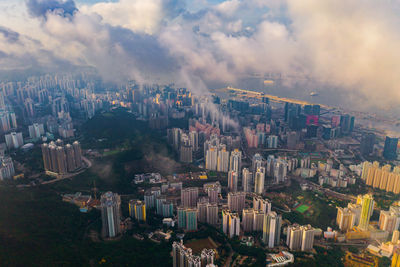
pixel 211 158
pixel 14 140
pixel 236 201
pixel 230 223
pixel 307 241
pixel 259 179
pixel 272 229
pixel 247 180
pixel 261 204
pixel 294 237
pixel 272 141
pixel 36 131
pixel 223 159
pixel 235 163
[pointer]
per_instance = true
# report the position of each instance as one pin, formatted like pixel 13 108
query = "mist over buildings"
pixel 350 48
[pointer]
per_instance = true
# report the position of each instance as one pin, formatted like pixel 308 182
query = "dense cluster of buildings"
pixel 60 159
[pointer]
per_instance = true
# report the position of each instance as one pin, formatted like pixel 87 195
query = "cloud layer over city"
pixel 350 45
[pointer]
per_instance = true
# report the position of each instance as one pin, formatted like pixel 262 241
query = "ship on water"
pixel 313 94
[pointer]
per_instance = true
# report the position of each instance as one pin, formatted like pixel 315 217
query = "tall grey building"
pixel 110 214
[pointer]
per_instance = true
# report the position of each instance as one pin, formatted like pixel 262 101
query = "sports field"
pixel 302 208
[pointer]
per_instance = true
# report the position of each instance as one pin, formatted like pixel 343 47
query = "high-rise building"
pixel 194 140
pixel 14 140
pixel 181 215
pixel 202 210
pixel 212 213
pixel 110 214
pixel 230 223
pixel 187 218
pixel 258 220
pixel 137 210
pixel 389 221
pixel 390 148
pixel 167 209
pixel 223 159
pixel 6 168
pixel 272 141
pixel 307 240
pixel 183 257
pixel 36 130
pixel 211 157
pixel 259 178
pixel 272 229
pixel 232 181
pixel 396 258
pixel 247 180
pixel 247 220
pixel 257 162
pixel 236 201
pixel 367 144
pixel 345 219
pixel 294 237
pixel 261 204
pixel 367 208
pixel 292 139
pixel 189 196
pixel 61 159
pixel 191 219
pixel 159 204
pixel 185 149
pixel 207 257
pixel 212 193
pixel 235 162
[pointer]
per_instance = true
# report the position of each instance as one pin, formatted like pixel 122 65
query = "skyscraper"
pixel 390 148
pixel 261 204
pixel 212 213
pixel 61 159
pixel 137 210
pixel 211 158
pixel 36 130
pixel 259 179
pixel 230 223
pixel 223 159
pixel 236 201
pixel 272 229
pixel 367 144
pixel 307 240
pixel 247 220
pixel 235 163
pixel 232 181
pixel 345 219
pixel 185 149
pixel 247 180
pixel 189 196
pixel 367 208
pixel 14 140
pixel 110 214
pixel 294 237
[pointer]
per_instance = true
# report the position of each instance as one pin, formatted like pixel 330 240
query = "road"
pixel 317 187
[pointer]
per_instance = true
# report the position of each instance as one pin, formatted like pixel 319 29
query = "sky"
pixel 351 46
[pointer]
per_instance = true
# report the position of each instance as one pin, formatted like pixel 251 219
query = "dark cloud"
pixel 10 35
pixel 39 8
